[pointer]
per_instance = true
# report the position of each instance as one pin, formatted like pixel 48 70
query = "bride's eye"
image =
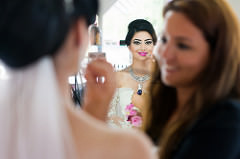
pixel 136 42
pixel 148 42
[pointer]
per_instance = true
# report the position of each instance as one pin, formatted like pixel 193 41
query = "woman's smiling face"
pixel 182 52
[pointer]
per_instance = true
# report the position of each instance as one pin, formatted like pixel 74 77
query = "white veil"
pixel 33 123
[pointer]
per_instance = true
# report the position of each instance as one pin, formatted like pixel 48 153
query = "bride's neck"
pixel 65 89
pixel 140 68
pixel 62 79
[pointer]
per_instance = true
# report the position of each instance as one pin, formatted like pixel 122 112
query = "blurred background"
pixel 112 22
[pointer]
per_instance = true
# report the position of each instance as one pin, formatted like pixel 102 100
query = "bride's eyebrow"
pixel 137 39
pixel 148 40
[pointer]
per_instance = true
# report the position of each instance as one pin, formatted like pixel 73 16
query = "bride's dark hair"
pixel 35 28
pixel 140 25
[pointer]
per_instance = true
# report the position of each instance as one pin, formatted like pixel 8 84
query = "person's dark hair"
pixel 140 25
pixel 220 79
pixel 35 28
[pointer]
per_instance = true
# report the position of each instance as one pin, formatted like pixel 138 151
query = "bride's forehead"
pixel 142 35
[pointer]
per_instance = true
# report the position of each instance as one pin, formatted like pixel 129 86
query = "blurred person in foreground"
pixel 42 44
pixel 195 110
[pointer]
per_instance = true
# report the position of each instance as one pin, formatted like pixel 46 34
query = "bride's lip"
pixel 142 53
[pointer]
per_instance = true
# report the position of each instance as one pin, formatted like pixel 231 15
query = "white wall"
pixel 236 6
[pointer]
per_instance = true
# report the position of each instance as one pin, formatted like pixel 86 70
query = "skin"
pixel 182 54
pixel 92 138
pixel 141 43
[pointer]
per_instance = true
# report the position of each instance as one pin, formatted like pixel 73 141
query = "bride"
pixel 132 96
pixel 42 44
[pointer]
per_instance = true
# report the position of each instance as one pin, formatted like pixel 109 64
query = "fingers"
pixel 152 58
pixel 99 72
pixel 98 95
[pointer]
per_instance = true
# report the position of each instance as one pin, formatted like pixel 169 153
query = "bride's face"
pixel 141 45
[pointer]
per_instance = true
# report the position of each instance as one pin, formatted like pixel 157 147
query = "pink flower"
pixel 133 115
pixel 133 112
pixel 136 121
pixel 129 107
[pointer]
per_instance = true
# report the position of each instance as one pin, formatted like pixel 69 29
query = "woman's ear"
pixel 81 36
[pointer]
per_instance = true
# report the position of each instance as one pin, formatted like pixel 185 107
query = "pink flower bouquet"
pixel 133 115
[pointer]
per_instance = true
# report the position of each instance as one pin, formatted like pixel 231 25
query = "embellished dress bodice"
pixel 117 116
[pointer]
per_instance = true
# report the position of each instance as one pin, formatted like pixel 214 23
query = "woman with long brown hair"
pixel 195 110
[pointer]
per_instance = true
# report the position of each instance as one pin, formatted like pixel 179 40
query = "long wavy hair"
pixel 220 80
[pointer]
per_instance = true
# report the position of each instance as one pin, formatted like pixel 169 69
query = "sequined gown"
pixel 117 116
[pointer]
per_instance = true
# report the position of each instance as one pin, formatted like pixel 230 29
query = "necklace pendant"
pixel 139 91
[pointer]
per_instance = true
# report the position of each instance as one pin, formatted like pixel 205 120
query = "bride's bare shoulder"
pixel 131 144
pixel 122 72
pixel 96 140
pixel 122 76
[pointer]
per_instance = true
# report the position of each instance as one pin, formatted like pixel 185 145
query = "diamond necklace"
pixel 139 79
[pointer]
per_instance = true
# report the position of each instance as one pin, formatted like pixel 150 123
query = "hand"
pixel 151 58
pixel 150 63
pixel 99 94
